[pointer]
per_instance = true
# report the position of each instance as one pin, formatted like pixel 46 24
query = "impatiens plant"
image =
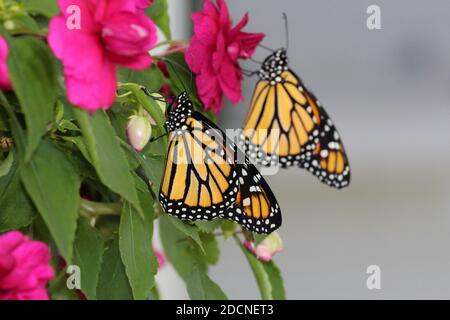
pixel 83 145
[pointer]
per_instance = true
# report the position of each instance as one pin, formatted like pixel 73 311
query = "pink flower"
pixel 5 82
pixel 214 52
pixel 267 248
pixel 160 257
pixel 24 267
pixel 143 4
pixel 111 33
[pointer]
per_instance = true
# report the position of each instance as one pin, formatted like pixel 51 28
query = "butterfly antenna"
pixel 266 47
pixel 149 94
pixel 254 60
pixel 159 137
pixel 286 29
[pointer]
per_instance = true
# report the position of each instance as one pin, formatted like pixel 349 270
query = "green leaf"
pixel 158 12
pixel 209 226
pixel 80 144
pixel 211 253
pixel 181 77
pixel 201 287
pixel 53 185
pixel 177 249
pixel 259 237
pixel 228 228
pixel 88 254
pixel 107 156
pixel 135 240
pixel 33 74
pixel 153 167
pixel 6 165
pixel 276 281
pixel 16 208
pixel 189 230
pixel 150 78
pixel 48 8
pixel 261 276
pixel 21 22
pixel 113 282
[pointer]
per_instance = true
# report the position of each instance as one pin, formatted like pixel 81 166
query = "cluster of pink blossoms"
pixel 118 33
pixel 24 268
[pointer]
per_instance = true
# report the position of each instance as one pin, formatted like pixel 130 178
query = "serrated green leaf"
pixel 276 281
pixel 88 254
pixel 113 282
pixel 107 156
pixel 80 144
pixel 209 226
pixel 53 184
pixel 178 251
pixel 212 252
pixel 33 74
pixel 16 208
pixel 135 240
pixel 189 230
pixel 150 78
pixel 200 286
pixel 228 229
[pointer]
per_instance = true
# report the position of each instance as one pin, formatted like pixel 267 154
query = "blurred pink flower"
pixel 143 4
pixel 5 82
pixel 214 52
pixel 111 32
pixel 160 257
pixel 267 248
pixel 24 267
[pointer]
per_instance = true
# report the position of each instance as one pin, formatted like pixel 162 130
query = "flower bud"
pixel 267 248
pixel 139 131
pixel 160 257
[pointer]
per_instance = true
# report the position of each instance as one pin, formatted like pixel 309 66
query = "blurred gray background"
pixel 388 92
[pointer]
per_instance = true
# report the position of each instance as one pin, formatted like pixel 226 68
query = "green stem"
pixel 147 103
pixel 91 208
pixel 169 42
pixel 261 277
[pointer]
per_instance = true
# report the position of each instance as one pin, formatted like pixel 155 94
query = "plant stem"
pixel 261 277
pixel 92 208
pixel 147 103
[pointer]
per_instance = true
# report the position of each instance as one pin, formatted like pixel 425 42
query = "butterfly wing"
pixel 199 180
pixel 329 160
pixel 280 128
pixel 316 146
pixel 255 207
pixel 205 179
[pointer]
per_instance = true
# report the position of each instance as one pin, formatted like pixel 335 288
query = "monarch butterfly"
pixel 286 125
pixel 204 179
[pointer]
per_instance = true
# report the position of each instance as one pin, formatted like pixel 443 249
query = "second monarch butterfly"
pixel 203 178
pixel 286 125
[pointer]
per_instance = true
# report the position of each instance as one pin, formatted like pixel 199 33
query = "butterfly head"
pixel 274 65
pixel 178 112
